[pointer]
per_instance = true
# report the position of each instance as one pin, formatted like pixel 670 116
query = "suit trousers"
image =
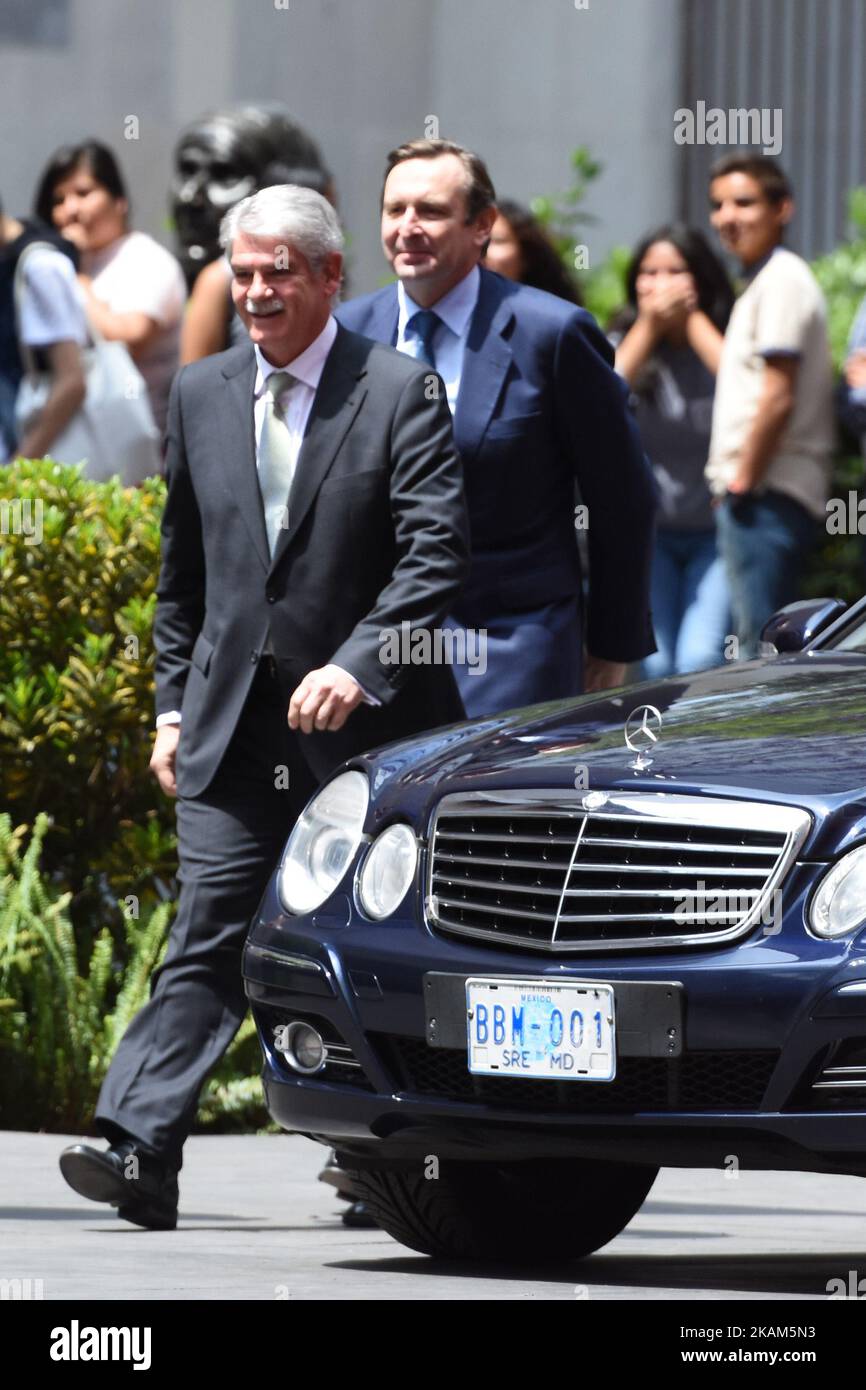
pixel 229 840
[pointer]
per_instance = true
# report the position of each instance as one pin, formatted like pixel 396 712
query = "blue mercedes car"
pixel 510 968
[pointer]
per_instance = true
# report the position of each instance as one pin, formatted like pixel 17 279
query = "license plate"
pixel 563 1031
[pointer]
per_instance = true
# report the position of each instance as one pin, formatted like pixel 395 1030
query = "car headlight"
pixel 323 843
pixel 839 905
pixel 387 872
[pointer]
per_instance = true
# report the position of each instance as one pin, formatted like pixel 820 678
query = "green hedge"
pixel 63 1011
pixel 76 676
pixel 86 890
pixel 59 1022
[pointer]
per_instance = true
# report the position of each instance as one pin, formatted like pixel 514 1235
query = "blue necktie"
pixel 424 324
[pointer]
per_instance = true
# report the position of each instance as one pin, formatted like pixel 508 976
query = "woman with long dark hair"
pixel 521 250
pixel 134 289
pixel 668 342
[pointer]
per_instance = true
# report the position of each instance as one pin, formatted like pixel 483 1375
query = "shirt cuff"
pixel 173 716
pixel 368 698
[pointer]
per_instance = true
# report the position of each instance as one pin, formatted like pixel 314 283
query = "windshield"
pixel 851 637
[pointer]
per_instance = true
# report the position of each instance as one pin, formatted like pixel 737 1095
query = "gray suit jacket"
pixel 376 537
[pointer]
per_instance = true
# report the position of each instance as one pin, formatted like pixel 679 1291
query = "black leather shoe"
pixel 333 1175
pixel 359 1217
pixel 357 1214
pixel 140 1185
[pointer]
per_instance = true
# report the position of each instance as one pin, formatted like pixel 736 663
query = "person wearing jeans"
pixel 668 342
pixel 763 542
pixel 690 603
pixel 772 437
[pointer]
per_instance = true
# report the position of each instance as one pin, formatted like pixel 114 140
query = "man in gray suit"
pixel 315 500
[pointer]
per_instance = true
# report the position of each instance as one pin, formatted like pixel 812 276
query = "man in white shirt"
pixel 772 437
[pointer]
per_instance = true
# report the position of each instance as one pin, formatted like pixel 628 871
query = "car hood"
pixel 791 729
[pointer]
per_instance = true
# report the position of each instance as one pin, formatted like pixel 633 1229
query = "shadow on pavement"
pixel 806 1274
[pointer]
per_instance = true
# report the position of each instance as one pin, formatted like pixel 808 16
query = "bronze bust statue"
pixel 227 155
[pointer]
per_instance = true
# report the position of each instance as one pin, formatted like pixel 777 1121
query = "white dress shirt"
pixel 455 309
pixel 296 402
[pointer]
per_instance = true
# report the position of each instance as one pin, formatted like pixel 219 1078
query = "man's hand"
pixel 742 482
pixel 599 674
pixel 772 412
pixel 162 759
pixel 324 700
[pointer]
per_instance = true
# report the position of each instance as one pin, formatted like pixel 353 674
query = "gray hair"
pixel 298 216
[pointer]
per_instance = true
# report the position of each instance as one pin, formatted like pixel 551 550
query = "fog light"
pixel 302 1046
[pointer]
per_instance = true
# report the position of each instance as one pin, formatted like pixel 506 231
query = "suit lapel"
pixel 486 360
pixel 337 402
pixel 384 317
pixel 239 452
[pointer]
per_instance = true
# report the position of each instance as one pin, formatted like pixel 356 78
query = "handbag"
pixel 113 433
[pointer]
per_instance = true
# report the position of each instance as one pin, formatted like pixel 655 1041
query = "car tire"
pixel 533 1210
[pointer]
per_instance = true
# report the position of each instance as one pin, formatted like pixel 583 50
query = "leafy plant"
pixel 837 566
pixel 842 277
pixel 563 215
pixel 84 909
pixel 59 1025
pixel 61 1019
pixel 76 682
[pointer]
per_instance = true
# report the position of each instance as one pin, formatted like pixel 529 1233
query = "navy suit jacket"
pixel 539 409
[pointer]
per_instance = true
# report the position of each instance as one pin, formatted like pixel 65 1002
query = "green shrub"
pixel 76 683
pixel 842 277
pixel 564 216
pixel 59 1025
pixel 837 565
pixel 83 911
pixel 61 1016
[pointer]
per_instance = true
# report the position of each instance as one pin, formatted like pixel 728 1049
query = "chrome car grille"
pixel 560 871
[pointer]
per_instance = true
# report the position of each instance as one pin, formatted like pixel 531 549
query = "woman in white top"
pixel 134 289
pixel 48 323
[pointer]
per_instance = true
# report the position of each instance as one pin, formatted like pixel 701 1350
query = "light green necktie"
pixel 277 458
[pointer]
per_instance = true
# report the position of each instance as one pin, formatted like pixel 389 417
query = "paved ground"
pixel 255 1224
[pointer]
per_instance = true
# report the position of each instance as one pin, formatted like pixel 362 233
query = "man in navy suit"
pixel 537 408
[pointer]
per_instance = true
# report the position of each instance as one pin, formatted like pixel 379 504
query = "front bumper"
pixel 761 1021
